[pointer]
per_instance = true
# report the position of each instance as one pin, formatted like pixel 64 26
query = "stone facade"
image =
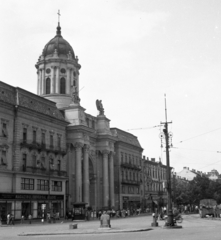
pixel 28 160
pixel 50 138
pixel 154 178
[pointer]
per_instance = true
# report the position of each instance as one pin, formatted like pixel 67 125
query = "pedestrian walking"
pixel 22 219
pixel 29 218
pixel 8 219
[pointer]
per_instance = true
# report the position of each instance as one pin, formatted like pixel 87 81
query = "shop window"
pixel 48 86
pixel 27 184
pixel 24 135
pixel 3 158
pixel 42 185
pixel 62 85
pixel 57 186
pixel 4 130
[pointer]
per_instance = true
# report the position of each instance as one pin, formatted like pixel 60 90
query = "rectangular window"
pixel 59 142
pixel 51 141
pixel 24 134
pixel 59 165
pixel 42 185
pixel 123 189
pixel 122 157
pixel 43 138
pixel 34 136
pixel 4 130
pixel 34 161
pixel 3 158
pixel 27 184
pixel 24 161
pixel 42 164
pixel 57 186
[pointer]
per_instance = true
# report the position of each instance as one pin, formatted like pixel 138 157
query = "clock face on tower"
pixel 48 70
pixel 63 70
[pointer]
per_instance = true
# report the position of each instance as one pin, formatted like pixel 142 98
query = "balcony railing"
pixel 130 182
pixel 44 171
pixel 131 166
pixel 42 147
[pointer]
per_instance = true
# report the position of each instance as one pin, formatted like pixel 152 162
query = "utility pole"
pixel 167 136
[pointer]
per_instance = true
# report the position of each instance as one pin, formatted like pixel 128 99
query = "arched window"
pixel 62 85
pixel 48 85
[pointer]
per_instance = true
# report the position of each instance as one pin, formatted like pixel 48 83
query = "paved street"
pixel 193 228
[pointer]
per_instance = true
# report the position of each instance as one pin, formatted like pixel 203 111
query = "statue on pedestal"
pixel 100 107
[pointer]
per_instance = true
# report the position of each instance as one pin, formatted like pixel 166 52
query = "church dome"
pixel 58 43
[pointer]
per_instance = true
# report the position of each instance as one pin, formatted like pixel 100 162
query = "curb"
pixel 90 231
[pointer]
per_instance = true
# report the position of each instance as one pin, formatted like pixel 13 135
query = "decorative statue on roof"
pixel 74 95
pixel 100 107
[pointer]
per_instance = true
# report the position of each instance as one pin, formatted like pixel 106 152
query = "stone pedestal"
pixel 75 114
pixel 103 126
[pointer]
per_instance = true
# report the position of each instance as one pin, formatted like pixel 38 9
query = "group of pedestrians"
pixel 119 213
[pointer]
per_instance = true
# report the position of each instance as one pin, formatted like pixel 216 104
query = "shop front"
pixel 34 204
pixel 131 202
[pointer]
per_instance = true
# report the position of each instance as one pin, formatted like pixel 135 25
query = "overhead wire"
pixel 199 135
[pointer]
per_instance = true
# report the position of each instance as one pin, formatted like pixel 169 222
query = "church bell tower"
pixel 58 72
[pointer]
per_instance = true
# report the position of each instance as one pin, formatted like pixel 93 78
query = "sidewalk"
pixel 118 225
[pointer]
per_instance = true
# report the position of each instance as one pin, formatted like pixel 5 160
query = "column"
pixel 70 171
pixel 43 81
pixel 105 179
pixel 68 82
pixel 52 80
pixel 78 173
pixel 86 175
pixel 57 80
pixel 39 82
pixel 111 167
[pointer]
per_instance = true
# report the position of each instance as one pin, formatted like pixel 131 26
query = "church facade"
pixel 91 162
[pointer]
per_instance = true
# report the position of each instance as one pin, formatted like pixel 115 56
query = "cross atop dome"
pixel 58 27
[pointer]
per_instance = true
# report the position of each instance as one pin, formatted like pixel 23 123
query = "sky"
pixel 132 53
